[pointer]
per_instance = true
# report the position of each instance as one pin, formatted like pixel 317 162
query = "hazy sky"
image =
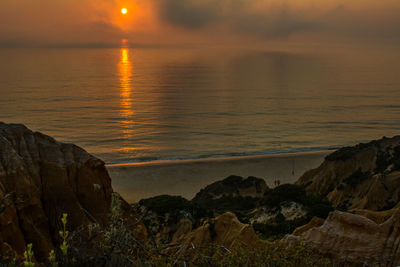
pixel 158 22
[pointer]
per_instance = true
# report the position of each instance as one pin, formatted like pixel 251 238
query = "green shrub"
pixel 171 204
pixel 166 204
pixel 284 193
pixel 52 259
pixel 28 255
pixel 316 206
pixel 233 204
pixel 64 235
pixel 320 210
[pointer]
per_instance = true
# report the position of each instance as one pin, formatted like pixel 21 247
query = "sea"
pixel 139 104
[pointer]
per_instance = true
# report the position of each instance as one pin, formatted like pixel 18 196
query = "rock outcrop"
pixel 366 176
pixel 315 222
pixel 354 238
pixel 225 230
pixel 43 179
pixel 376 216
pixel 167 227
pixel 169 217
pixel 276 212
pixel 289 210
pixel 233 186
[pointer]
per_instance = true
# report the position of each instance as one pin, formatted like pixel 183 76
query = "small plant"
pixel 52 259
pixel 28 255
pixel 64 235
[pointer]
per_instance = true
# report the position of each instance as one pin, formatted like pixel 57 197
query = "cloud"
pixel 277 19
pixel 237 16
pixel 190 14
pixel 89 34
pixel 66 22
pixel 281 22
pixel 55 23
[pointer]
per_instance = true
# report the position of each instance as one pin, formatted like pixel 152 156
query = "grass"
pixel 115 245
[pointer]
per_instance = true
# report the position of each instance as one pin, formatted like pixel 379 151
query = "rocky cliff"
pixel 224 230
pixel 272 212
pixel 232 186
pixel 366 176
pixel 40 179
pixel 354 238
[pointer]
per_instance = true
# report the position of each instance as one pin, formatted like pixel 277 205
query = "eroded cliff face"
pixel 225 230
pixel 354 238
pixel 366 176
pixel 43 179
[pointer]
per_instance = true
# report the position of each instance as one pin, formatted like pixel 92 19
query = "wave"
pixel 222 155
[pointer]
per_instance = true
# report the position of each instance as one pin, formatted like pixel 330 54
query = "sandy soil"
pixel 186 177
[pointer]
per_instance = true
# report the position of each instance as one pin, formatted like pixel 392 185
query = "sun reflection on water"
pixel 126 98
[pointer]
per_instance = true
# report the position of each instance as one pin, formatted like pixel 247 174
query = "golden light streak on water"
pixel 126 94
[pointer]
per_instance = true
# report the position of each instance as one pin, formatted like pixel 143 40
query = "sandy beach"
pixel 186 177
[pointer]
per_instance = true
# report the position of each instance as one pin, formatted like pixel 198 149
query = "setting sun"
pixel 124 11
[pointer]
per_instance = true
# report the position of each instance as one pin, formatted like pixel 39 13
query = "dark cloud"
pixel 272 19
pixel 370 26
pixel 282 22
pixel 235 15
pixel 192 14
pixel 98 22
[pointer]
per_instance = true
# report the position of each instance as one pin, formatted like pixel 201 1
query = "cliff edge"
pixel 40 179
pixel 365 176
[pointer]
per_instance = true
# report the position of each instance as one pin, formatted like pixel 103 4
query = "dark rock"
pixel 354 239
pixel 168 217
pixel 231 187
pixel 366 176
pixel 275 213
pixel 225 230
pixel 45 179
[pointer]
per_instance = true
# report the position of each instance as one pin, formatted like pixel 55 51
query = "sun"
pixel 124 11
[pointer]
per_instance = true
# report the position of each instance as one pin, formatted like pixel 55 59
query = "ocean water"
pixel 141 104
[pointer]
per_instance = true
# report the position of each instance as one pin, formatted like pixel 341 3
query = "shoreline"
pixel 135 181
pixel 220 158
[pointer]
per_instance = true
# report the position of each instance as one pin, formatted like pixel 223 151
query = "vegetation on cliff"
pixel 115 245
pixel 164 204
pixel 223 196
pixel 57 208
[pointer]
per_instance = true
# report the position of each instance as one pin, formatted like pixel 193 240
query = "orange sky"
pixel 158 22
